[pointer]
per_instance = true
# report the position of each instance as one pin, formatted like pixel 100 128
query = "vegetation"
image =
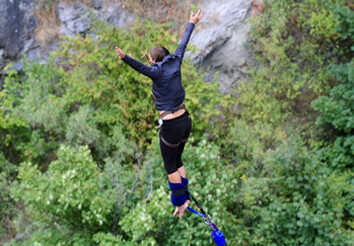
pixel 80 161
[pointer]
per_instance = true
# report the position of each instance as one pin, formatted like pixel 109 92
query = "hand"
pixel 196 18
pixel 180 209
pixel 120 53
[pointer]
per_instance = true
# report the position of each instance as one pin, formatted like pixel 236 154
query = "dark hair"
pixel 157 53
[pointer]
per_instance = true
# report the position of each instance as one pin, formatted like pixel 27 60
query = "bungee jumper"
pixel 175 123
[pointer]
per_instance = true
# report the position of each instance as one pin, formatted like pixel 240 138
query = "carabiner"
pixel 160 121
pixel 208 220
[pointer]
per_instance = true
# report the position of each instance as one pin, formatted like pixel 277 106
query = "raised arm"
pixel 151 72
pixel 193 20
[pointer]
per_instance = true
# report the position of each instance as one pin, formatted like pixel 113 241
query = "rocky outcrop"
pixel 220 38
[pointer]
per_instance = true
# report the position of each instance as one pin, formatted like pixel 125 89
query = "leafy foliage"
pixel 294 42
pixel 336 108
pixel 286 196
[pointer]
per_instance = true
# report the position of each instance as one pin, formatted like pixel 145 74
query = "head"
pixel 157 54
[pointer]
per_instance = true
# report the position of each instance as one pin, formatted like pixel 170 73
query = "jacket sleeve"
pixel 182 46
pixel 151 72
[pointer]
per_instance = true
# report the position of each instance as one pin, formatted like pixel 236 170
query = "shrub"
pixel 286 196
pixel 73 200
pixel 294 42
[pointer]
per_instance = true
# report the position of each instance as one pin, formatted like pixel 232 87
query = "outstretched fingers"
pixel 197 17
pixel 120 53
pixel 199 14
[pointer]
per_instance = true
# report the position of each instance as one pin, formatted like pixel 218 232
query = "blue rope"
pixel 196 212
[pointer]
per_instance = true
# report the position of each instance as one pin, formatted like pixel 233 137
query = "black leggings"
pixel 173 136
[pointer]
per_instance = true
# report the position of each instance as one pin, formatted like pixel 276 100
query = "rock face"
pixel 75 18
pixel 17 26
pixel 220 38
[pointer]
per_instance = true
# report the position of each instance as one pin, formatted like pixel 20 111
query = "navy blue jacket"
pixel 166 75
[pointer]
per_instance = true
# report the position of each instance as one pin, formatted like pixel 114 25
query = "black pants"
pixel 173 136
